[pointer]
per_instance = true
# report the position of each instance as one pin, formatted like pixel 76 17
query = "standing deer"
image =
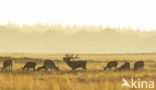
pixel 29 65
pixel 125 66
pixel 111 64
pixel 48 64
pixel 7 63
pixel 139 65
pixel 74 64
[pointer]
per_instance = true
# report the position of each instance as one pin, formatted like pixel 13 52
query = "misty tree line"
pixel 80 39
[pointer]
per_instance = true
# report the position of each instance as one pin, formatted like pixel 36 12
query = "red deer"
pixel 125 66
pixel 74 64
pixel 48 64
pixel 111 64
pixel 7 63
pixel 29 65
pixel 139 65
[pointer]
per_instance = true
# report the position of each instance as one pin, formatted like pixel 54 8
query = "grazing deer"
pixel 139 65
pixel 111 64
pixel 74 64
pixel 125 66
pixel 29 65
pixel 48 64
pixel 7 63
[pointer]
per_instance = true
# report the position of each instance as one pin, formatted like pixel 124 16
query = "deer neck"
pixel 68 61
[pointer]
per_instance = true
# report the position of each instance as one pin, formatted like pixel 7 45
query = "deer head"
pixel 68 57
pixel 57 68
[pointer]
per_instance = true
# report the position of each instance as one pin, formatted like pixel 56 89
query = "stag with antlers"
pixel 74 64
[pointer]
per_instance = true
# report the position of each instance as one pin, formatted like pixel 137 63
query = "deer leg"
pixel 51 68
pixel 23 68
pixel 73 69
pixel 127 69
pixel 27 69
pixel 3 68
pixel 124 69
pixel 34 68
pixel 11 66
pixel 84 67
pixel 105 68
pixel 45 68
pixel 115 68
pixel 142 68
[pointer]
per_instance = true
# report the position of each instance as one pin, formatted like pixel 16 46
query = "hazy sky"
pixel 115 13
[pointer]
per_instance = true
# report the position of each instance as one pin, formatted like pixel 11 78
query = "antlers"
pixel 72 56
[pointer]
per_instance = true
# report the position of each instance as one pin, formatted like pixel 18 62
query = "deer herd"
pixel 49 64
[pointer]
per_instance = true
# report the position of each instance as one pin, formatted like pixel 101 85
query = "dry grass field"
pixel 95 78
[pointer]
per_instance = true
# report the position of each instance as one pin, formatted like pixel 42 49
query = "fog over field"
pixel 75 39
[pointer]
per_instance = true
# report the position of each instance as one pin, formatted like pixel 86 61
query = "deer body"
pixel 29 65
pixel 111 64
pixel 74 64
pixel 138 65
pixel 48 64
pixel 125 66
pixel 7 63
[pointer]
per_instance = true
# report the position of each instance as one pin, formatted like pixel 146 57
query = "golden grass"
pixel 92 79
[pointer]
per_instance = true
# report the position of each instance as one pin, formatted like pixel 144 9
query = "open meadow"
pixel 94 78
